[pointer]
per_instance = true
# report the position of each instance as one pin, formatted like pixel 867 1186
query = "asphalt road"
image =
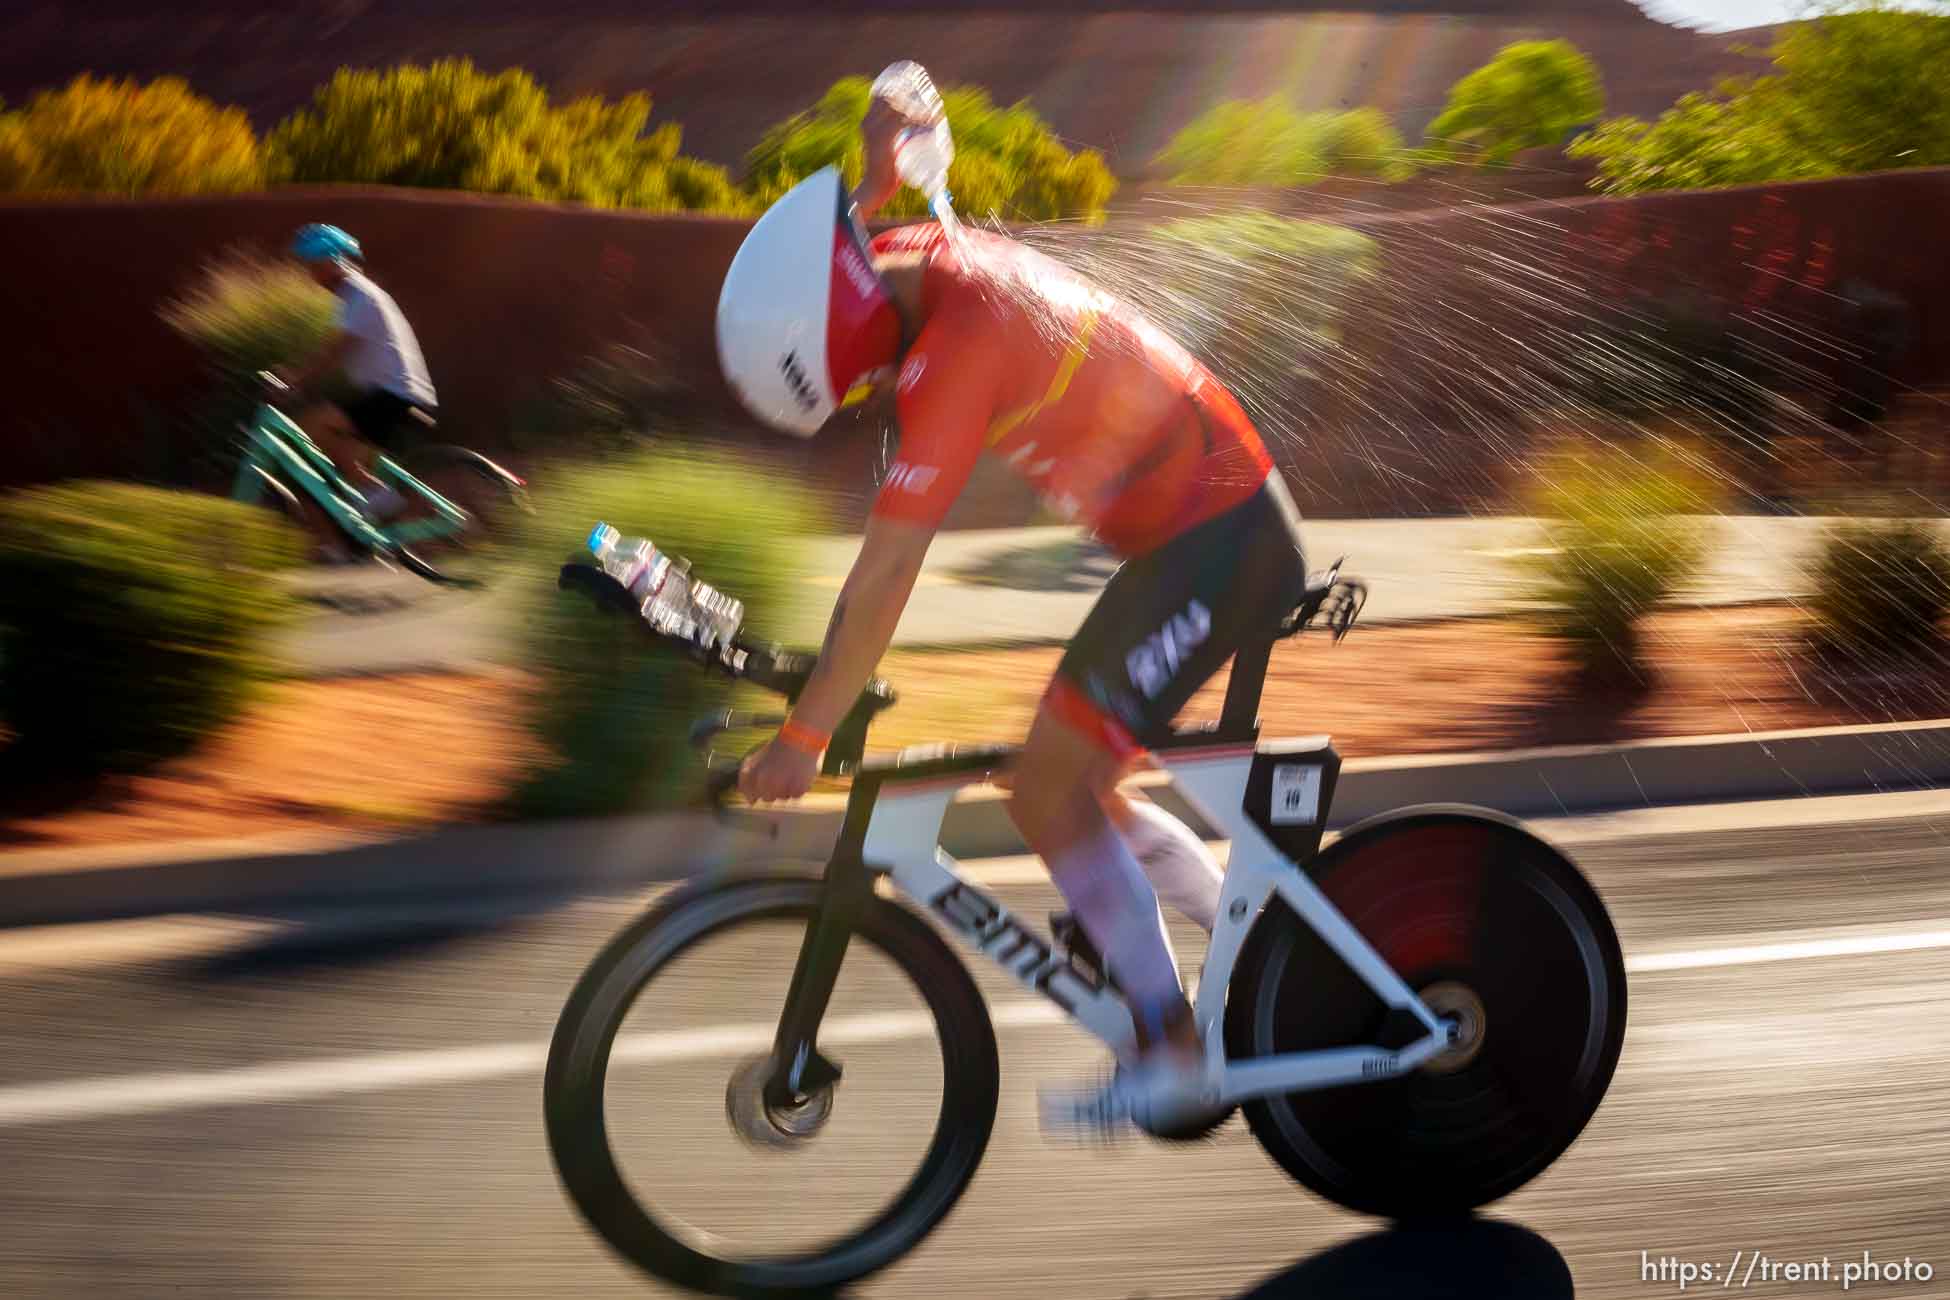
pixel 221 1107
pixel 1033 584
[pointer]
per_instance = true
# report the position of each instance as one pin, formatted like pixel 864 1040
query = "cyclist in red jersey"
pixel 992 347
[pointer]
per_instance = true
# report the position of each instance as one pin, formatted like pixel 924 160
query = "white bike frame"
pixel 902 842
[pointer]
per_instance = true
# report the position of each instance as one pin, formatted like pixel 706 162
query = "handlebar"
pixel 1330 598
pixel 784 672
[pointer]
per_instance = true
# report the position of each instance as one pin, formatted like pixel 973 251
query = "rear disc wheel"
pixel 1507 943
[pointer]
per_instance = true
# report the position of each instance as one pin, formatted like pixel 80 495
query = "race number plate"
pixel 1296 794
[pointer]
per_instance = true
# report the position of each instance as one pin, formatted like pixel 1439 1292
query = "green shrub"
pixel 1268 142
pixel 451 126
pixel 1850 92
pixel 1881 587
pixel 1700 142
pixel 1531 95
pixel 616 396
pixel 612 710
pixel 244 313
pixel 136 619
pixel 1008 164
pixel 1622 536
pixel 118 137
pixel 1260 298
pixel 1364 142
pixel 247 314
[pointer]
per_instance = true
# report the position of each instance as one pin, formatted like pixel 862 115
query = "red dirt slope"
pixel 1104 75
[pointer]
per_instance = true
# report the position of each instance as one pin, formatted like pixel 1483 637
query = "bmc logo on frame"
pixel 915 479
pixel 1155 662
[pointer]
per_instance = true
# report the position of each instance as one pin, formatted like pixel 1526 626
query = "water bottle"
pixel 666 596
pixel 716 615
pixel 923 151
pixel 643 570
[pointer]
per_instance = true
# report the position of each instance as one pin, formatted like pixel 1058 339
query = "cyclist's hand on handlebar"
pixel 775 771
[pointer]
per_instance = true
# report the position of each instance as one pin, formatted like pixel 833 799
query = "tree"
pixel 1528 96
pixel 1268 142
pixel 1700 142
pixel 451 126
pixel 1008 163
pixel 118 137
pixel 1851 92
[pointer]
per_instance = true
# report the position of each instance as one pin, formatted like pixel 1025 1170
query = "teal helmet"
pixel 321 243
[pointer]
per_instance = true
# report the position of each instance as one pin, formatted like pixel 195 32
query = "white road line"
pixel 148 1094
pixel 150 939
pixel 1853 946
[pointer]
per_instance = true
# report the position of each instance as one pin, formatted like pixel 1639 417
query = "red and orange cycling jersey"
pixel 1114 423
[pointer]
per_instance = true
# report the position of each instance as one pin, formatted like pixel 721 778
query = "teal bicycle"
pixel 456 498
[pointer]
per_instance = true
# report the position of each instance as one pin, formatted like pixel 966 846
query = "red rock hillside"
pixel 1120 76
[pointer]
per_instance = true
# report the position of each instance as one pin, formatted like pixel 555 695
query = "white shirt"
pixel 384 354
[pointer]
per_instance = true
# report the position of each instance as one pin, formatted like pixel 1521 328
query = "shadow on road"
pixel 318 940
pixel 1068 564
pixel 1469 1259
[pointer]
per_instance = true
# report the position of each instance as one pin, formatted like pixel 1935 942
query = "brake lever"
pixel 719 783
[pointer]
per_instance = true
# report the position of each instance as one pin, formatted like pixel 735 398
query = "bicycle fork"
pixel 905 834
pixel 799 1069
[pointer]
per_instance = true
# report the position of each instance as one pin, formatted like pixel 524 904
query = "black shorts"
pixel 1169 620
pixel 382 417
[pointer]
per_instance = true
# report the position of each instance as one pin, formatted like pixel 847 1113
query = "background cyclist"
pixel 374 350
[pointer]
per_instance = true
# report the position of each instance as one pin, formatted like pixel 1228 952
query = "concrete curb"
pixel 467 862
pixel 625 853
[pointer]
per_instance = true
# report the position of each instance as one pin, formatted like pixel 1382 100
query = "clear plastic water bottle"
pixel 924 150
pixel 666 597
pixel 633 561
pixel 717 617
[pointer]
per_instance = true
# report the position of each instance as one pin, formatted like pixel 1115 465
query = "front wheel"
pixel 673 1147
pixel 1495 930
pixel 493 500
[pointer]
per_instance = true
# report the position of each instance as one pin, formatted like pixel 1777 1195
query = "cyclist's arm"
pixel 864 617
pixel 327 359
pixel 942 412
pixel 878 179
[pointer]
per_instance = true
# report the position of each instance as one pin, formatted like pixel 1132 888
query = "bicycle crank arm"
pixel 1332 1067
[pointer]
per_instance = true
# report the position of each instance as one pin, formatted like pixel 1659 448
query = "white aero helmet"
pixel 803 315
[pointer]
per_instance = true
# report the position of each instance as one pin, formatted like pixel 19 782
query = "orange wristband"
pixel 796 735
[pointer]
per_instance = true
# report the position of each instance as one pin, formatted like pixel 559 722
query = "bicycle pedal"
pixel 1083 1116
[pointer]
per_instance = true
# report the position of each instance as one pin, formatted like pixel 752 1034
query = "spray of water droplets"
pixel 1423 363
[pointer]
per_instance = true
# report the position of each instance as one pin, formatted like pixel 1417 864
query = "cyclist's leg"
pixel 326 426
pixel 1061 781
pixel 354 435
pixel 1175 861
pixel 1165 624
pixel 332 429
